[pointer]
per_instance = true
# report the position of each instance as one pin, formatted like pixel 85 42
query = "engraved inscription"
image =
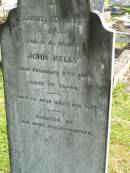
pixel 55 57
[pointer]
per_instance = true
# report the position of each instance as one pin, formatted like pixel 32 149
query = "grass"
pixel 4 158
pixel 121 45
pixel 119 160
pixel 127 10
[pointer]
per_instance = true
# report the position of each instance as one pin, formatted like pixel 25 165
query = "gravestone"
pixel 57 78
pixel 97 5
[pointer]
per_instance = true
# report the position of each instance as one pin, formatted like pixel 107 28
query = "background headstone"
pixel 57 77
pixel 97 5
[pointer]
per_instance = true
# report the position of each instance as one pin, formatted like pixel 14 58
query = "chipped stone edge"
pixel 112 31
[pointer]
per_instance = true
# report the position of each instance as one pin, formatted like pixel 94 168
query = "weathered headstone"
pixel 57 76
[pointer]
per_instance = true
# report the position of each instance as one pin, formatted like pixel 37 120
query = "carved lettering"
pixel 65 59
pixel 38 56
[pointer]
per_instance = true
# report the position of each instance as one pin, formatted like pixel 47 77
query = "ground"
pixel 119 158
pixel 4 158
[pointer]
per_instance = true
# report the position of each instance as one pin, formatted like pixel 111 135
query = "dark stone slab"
pixel 57 77
pixel 123 38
